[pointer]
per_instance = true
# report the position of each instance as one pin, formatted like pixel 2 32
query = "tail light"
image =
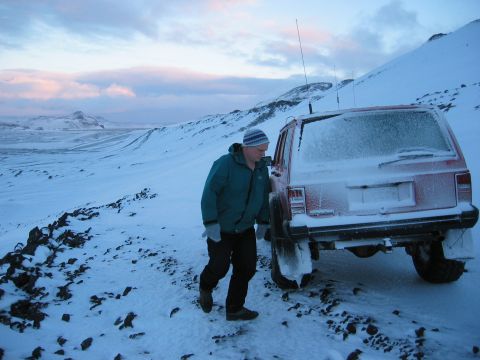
pixel 296 199
pixel 464 187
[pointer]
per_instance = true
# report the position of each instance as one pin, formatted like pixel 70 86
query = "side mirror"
pixel 268 160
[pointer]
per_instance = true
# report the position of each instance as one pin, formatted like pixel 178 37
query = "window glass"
pixel 377 134
pixel 279 148
pixel 286 148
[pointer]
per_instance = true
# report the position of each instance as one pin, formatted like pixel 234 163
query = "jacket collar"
pixel 236 152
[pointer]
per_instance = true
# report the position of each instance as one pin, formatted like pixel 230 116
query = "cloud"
pixel 39 85
pixel 394 15
pixel 115 90
pixel 20 18
pixel 151 93
pixel 375 39
pixel 162 81
pixel 226 5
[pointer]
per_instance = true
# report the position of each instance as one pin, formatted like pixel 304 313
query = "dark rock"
pixel 60 352
pixel 285 323
pixel 71 261
pixel 436 36
pixel 25 309
pixel 35 238
pixel 356 291
pixel 96 301
pixel 372 329
pixel 128 322
pixel 351 328
pixel 69 238
pixel 61 341
pixel 2 292
pixel 14 259
pixel 420 332
pixel 355 355
pixel 134 336
pixel 64 292
pixel 127 290
pixel 66 317
pixel 396 312
pixel 186 356
pixel 174 311
pixel 118 357
pixel 86 343
pixel 36 353
pixel 475 350
pixel 62 221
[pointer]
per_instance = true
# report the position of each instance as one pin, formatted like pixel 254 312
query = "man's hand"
pixel 261 230
pixel 212 231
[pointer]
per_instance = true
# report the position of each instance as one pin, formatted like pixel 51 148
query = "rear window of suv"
pixel 379 134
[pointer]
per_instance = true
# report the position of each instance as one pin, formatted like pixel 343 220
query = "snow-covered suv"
pixel 366 180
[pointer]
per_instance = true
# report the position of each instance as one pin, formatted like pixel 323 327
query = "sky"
pixel 171 61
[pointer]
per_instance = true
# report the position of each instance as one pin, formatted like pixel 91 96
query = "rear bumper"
pixel 388 228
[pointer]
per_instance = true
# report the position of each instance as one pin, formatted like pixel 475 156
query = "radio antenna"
pixel 336 85
pixel 304 71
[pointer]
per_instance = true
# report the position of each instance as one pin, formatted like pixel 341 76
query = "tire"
pixel 277 277
pixel 276 233
pixel 267 236
pixel 432 266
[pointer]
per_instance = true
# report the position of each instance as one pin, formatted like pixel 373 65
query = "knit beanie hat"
pixel 254 137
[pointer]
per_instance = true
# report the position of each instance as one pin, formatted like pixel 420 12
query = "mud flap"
pixel 458 245
pixel 295 263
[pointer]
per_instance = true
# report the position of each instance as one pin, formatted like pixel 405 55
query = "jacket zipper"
pixel 248 196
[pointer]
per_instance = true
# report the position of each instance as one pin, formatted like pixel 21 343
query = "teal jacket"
pixel 234 195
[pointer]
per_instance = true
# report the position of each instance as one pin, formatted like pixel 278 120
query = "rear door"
pixel 280 170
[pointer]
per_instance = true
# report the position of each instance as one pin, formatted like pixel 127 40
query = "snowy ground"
pixel 151 244
pixel 117 277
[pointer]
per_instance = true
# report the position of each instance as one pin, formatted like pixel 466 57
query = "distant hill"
pixel 75 121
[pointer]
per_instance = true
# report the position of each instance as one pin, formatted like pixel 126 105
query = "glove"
pixel 212 231
pixel 261 230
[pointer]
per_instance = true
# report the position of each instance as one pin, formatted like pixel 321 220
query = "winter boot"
pixel 242 314
pixel 205 300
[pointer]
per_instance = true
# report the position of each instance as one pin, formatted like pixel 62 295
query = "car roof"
pixel 328 114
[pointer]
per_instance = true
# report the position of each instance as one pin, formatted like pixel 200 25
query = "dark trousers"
pixel 241 251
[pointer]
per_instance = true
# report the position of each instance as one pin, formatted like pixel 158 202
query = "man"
pixel 235 196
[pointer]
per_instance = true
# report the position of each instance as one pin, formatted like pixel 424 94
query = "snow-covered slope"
pixel 112 270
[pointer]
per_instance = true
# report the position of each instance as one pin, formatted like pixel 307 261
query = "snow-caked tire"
pixel 431 265
pixel 276 232
pixel 277 277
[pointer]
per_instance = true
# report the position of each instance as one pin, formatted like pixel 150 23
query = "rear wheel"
pixel 276 237
pixel 431 265
pixel 277 277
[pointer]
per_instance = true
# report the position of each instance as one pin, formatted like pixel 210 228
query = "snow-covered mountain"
pixel 101 247
pixel 75 121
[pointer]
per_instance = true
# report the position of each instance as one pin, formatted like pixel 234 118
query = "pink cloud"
pixel 39 85
pixel 115 90
pixel 309 34
pixel 224 5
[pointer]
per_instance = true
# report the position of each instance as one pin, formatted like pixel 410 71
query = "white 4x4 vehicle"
pixel 367 180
